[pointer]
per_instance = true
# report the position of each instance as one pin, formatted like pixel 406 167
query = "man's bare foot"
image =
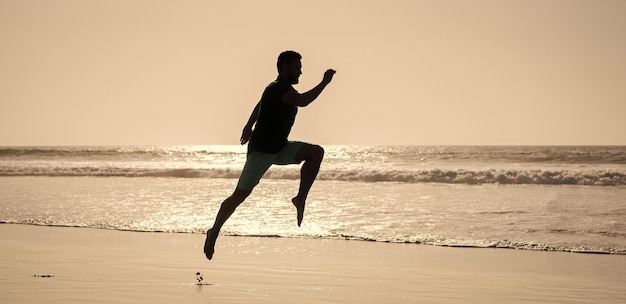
pixel 299 208
pixel 209 244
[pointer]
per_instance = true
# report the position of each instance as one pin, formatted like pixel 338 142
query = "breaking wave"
pixel 461 176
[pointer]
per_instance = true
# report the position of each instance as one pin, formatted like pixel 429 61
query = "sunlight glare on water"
pixel 559 198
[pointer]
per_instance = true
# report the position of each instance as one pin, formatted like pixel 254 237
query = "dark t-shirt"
pixel 275 119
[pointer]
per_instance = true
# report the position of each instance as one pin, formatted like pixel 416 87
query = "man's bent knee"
pixel 310 152
pixel 318 152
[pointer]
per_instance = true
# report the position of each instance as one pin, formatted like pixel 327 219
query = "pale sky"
pixel 450 72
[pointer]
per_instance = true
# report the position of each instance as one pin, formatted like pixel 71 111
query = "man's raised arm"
pixel 304 99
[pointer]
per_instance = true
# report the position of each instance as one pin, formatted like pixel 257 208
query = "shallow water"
pixel 540 217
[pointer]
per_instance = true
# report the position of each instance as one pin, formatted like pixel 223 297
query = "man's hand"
pixel 245 135
pixel 328 76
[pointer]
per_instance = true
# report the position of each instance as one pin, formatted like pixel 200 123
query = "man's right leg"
pixel 253 170
pixel 226 210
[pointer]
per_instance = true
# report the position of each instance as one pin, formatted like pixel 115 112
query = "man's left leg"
pixel 312 156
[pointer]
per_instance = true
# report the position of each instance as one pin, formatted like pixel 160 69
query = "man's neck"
pixel 282 77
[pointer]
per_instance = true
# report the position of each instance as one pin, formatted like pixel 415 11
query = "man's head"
pixel 289 66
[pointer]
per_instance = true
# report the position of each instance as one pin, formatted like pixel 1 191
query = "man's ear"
pixel 282 67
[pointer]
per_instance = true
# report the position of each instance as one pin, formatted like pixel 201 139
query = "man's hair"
pixel 287 57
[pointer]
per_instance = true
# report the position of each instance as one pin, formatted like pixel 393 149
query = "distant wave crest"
pixel 495 176
pixel 536 177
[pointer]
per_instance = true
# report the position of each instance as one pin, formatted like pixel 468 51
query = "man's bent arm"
pixel 247 129
pixel 254 115
pixel 304 99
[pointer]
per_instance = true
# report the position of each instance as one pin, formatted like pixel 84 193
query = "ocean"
pixel 553 198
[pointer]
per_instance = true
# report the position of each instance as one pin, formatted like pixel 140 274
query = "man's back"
pixel 275 119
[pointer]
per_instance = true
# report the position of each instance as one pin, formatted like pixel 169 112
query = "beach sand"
pixel 104 266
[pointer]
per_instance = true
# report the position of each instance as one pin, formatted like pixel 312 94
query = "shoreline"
pixel 494 245
pixel 78 265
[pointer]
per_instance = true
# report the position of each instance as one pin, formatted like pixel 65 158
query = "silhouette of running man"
pixel 272 119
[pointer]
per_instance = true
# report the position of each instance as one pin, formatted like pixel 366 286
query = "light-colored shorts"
pixel 257 164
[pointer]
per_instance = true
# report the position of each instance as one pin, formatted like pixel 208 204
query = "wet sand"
pixel 78 265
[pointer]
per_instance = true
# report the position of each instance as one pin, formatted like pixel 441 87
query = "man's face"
pixel 294 71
